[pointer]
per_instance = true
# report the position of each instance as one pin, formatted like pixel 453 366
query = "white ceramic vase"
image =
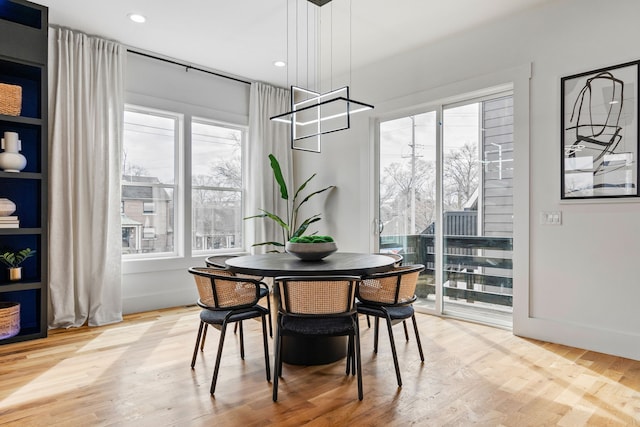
pixel 7 207
pixel 11 160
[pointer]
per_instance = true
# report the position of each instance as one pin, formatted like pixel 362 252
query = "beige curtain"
pixel 266 137
pixel 86 102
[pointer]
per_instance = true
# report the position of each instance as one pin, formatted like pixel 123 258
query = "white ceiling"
pixel 245 37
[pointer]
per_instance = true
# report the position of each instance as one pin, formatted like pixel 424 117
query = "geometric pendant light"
pixel 313 113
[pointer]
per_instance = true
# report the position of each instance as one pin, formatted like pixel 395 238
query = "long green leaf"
pixel 274 217
pixel 268 243
pixel 277 174
pixel 304 184
pixel 277 219
pixel 305 224
pixel 295 211
pixel 255 216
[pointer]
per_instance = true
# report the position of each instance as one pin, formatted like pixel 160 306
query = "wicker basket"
pixel 10 99
pixel 9 319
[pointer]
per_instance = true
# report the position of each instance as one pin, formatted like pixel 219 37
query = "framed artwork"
pixel 599 115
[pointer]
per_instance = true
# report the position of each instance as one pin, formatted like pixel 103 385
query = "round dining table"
pixel 284 264
pixel 311 350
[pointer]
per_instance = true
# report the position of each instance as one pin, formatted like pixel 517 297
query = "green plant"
pixel 312 239
pixel 14 259
pixel 289 225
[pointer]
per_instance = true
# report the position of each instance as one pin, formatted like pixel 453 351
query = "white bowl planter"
pixel 311 251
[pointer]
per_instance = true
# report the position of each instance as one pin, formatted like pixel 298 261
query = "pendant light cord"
pixel 350 40
pixel 288 65
pixel 331 46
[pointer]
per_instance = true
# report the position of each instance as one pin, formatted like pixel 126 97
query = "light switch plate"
pixel 551 218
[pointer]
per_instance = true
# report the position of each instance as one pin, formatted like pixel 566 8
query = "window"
pixel 148 233
pixel 152 224
pixel 148 208
pixel 149 181
pixel 216 193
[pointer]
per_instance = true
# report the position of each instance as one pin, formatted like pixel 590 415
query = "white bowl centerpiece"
pixel 311 248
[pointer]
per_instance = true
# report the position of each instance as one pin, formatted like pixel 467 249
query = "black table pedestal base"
pixel 313 350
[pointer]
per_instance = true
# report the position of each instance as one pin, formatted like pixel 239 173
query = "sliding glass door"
pixel 477 204
pixel 407 192
pixel 446 201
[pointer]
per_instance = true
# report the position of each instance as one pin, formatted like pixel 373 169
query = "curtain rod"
pixel 188 67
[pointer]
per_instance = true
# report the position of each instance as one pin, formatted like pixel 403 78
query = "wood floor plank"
pixel 136 373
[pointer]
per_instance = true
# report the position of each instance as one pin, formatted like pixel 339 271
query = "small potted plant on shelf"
pixel 13 260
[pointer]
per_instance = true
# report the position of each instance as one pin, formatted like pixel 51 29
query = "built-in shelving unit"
pixel 23 62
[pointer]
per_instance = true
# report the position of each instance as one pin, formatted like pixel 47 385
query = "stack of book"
pixel 9 222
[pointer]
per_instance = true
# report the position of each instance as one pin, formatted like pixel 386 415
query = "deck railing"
pixel 476 268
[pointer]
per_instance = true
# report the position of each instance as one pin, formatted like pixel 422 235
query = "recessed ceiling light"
pixel 279 64
pixel 136 17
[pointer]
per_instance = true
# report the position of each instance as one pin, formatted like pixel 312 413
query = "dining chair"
pixel 318 306
pixel 390 295
pixel 398 262
pixel 397 257
pixel 225 298
pixel 218 261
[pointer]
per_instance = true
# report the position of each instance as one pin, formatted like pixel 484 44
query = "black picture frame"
pixel 599 133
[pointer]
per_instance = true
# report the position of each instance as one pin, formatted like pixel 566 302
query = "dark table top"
pixel 284 264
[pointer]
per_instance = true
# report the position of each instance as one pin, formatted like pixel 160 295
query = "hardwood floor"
pixel 137 373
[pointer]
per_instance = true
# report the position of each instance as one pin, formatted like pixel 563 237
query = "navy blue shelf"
pixel 23 62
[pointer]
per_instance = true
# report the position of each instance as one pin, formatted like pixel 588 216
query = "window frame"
pixel 176 187
pixel 244 131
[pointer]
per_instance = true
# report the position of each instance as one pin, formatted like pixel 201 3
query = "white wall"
pixel 583 287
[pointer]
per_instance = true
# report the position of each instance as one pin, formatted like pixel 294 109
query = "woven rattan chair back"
pixel 317 295
pixel 217 261
pixel 219 288
pixel 397 286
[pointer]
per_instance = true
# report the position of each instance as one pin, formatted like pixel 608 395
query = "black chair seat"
pixel 216 317
pixel 330 326
pixel 395 313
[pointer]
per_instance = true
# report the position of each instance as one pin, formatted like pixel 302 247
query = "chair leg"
pixel 266 349
pixel 368 322
pixel 204 336
pixel 376 327
pixel 269 309
pixel 223 330
pixel 393 351
pixel 358 358
pixel 406 332
pixel 195 350
pixel 415 328
pixel 277 368
pixel 241 341
pixel 235 327
pixel 351 361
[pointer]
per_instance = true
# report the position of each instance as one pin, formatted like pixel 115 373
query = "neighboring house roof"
pixel 128 222
pixel 142 192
